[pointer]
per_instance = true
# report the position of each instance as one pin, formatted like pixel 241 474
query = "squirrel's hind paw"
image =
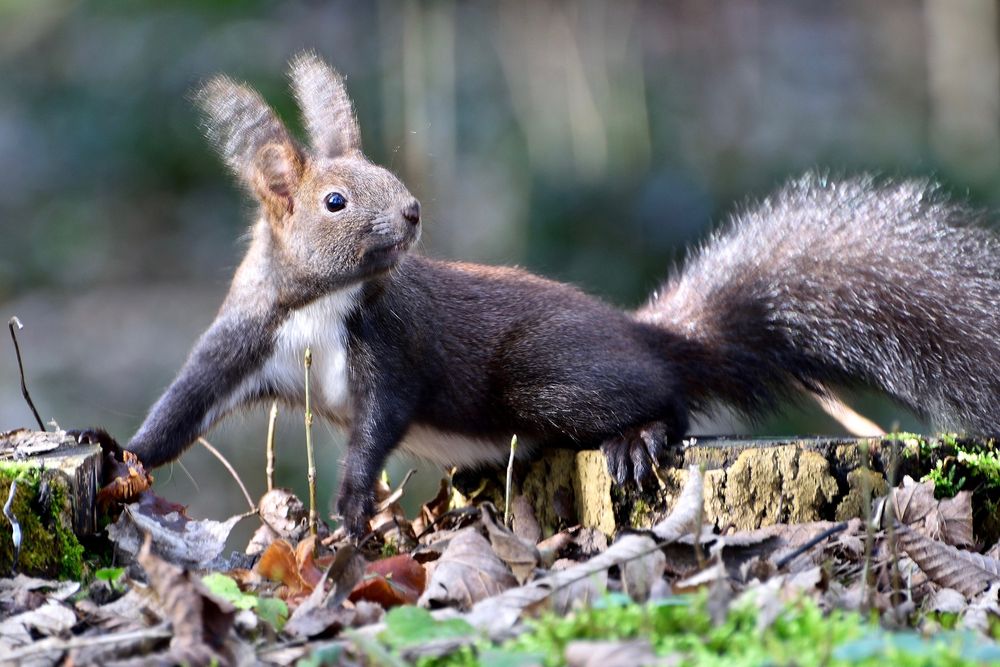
pixel 633 454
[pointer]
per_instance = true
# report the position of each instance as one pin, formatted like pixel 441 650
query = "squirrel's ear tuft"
pixel 326 108
pixel 252 141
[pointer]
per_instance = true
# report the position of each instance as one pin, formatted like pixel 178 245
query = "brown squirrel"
pixel 852 282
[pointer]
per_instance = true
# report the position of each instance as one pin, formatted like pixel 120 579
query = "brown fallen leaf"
pixel 391 582
pixel 468 571
pixel 201 622
pixel 523 521
pixel 283 516
pixel 640 574
pixel 292 567
pixel 434 508
pixel 967 572
pixel 913 501
pixel 499 613
pixel 952 522
pixel 522 557
pixel 948 520
pixel 322 613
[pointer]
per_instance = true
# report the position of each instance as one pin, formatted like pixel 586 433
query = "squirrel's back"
pixel 859 281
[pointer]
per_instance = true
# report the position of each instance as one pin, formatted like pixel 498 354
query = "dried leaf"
pixel 201 622
pixel 967 572
pixel 175 537
pixel 982 613
pixel 523 521
pixel 305 554
pixel 468 571
pixel 51 619
pixel 522 557
pixel 321 613
pixel 390 518
pixel 22 443
pixel 279 562
pixel 946 600
pixel 434 508
pixel 283 516
pixel 580 593
pixel 955 520
pixel 391 582
pixel 499 613
pixel 551 548
pixel 913 501
pixel 60 590
pixel 640 574
pixel 706 577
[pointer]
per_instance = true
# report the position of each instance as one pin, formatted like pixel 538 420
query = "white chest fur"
pixel 320 326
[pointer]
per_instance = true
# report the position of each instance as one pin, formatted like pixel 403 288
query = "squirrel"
pixel 855 282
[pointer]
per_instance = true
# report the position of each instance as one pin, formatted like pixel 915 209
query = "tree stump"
pixel 53 502
pixel 749 483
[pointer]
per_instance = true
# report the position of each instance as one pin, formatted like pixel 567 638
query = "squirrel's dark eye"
pixel 335 202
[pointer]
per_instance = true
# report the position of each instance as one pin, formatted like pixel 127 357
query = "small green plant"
pixel 681 627
pixel 112 575
pixel 269 610
pixel 943 477
pixel 984 463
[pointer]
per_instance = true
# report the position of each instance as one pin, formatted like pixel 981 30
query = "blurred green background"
pixel 588 141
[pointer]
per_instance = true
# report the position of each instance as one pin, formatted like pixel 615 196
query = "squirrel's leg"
pixel 634 453
pixel 210 384
pixel 376 430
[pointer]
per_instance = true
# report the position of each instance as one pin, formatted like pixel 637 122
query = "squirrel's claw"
pixel 635 452
pixel 356 508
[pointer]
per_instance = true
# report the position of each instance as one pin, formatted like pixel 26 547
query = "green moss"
pixel 639 516
pixel 49 547
pixel 682 629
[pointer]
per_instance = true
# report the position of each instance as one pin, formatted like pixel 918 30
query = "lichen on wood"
pixel 748 483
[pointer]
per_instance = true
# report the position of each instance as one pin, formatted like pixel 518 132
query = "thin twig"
pixel 699 553
pixel 55 645
pixel 832 530
pixel 313 518
pixel 11 323
pixel 510 479
pixel 215 452
pixel 397 493
pixel 271 419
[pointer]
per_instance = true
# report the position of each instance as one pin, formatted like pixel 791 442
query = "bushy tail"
pixel 854 282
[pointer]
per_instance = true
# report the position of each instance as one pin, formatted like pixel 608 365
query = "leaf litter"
pixel 449 578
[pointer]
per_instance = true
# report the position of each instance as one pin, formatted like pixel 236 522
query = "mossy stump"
pixel 749 483
pixel 54 501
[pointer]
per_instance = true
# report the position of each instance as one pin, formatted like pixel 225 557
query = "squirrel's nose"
pixel 411 212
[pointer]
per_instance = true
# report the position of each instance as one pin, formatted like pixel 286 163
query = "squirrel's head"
pixel 333 217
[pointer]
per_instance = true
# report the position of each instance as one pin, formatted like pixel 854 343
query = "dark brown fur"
pixel 827 282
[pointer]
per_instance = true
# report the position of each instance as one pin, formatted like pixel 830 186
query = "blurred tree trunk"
pixel 963 65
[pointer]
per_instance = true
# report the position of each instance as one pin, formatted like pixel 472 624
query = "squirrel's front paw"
pixel 633 454
pixel 356 508
pixel 95 436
